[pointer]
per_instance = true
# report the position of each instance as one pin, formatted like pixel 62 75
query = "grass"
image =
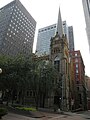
pixel 26 108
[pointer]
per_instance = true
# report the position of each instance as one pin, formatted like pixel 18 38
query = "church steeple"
pixel 59 24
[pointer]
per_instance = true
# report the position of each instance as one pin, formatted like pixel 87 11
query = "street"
pixel 50 116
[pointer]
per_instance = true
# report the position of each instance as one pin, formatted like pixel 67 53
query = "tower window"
pixel 56 64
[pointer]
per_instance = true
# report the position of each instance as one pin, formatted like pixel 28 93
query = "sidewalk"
pixel 49 116
pixel 45 114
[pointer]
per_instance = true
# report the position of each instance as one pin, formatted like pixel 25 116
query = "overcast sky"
pixel 45 12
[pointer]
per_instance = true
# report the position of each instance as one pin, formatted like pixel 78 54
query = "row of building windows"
pixel 17 44
pixel 26 39
pixel 23 30
pixel 22 24
pixel 18 13
pixel 47 29
pixel 17 31
pixel 11 33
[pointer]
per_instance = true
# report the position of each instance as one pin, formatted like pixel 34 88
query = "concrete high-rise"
pixel 86 7
pixel 71 38
pixel 17 29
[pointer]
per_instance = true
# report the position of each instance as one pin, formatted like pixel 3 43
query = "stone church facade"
pixel 59 57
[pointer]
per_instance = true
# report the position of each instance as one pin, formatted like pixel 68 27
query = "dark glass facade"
pixel 88 6
pixel 17 29
pixel 71 38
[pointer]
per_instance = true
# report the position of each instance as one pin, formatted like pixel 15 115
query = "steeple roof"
pixel 59 28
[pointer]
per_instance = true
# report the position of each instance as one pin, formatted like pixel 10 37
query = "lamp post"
pixel 0 70
pixel 62 91
pixel 0 91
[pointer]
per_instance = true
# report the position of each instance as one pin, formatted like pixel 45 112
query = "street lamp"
pixel 0 91
pixel 62 86
pixel 0 70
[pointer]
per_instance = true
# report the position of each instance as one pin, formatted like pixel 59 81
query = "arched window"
pixel 57 63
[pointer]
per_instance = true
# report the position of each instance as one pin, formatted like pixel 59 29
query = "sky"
pixel 45 12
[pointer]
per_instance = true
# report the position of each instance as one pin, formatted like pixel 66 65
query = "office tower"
pixel 71 38
pixel 17 29
pixel 86 7
pixel 43 40
pixel 65 30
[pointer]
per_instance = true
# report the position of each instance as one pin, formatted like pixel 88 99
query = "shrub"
pixel 3 111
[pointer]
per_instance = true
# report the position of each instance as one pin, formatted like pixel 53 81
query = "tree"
pixel 14 78
pixel 22 73
pixel 42 81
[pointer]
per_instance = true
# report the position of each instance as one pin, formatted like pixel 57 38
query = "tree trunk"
pixel 37 101
pixel 43 105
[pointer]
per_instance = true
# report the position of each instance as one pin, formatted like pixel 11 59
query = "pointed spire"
pixel 59 28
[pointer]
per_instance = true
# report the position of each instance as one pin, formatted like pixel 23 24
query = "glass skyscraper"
pixel 45 34
pixel 86 7
pixel 71 38
pixel 17 29
pixel 43 40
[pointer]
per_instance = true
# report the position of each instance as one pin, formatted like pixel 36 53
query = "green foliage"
pixel 14 76
pixel 21 73
pixel 42 83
